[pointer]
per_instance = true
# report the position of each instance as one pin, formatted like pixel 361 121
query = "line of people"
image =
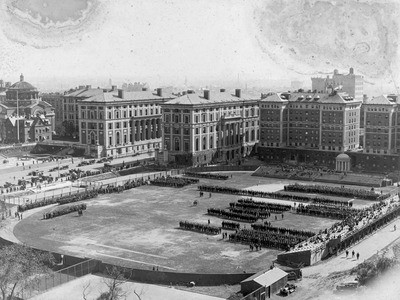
pixel 176 182
pixel 203 228
pixel 282 230
pixel 336 191
pixel 262 194
pixel 207 175
pixel 325 211
pixel 224 214
pixel 265 239
pixel 230 225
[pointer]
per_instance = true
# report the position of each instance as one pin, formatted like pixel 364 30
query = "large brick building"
pixel 120 122
pixel 70 118
pixel 310 121
pixel 211 127
pixel 318 128
pixel 381 124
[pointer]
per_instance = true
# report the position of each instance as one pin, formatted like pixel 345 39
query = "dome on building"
pixel 22 85
pixel 343 157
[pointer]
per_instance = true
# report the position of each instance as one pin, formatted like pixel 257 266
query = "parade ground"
pixel 139 228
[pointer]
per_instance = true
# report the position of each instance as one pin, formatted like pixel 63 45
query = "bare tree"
pixel 20 267
pixel 114 282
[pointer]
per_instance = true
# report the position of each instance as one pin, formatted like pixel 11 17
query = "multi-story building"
pixel 56 101
pixel 24 117
pixel 70 118
pixel 120 122
pixel 351 84
pixel 213 127
pixel 381 125
pixel 310 121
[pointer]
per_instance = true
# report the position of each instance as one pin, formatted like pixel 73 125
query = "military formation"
pixel 336 191
pixel 176 182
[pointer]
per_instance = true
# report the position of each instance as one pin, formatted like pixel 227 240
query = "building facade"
pixel 24 117
pixel 119 123
pixel 310 121
pixel 380 125
pixel 56 101
pixel 70 112
pixel 208 128
pixel 351 84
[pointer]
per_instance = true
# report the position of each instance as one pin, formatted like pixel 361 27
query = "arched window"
pixel 204 143
pixel 211 142
pixel 197 144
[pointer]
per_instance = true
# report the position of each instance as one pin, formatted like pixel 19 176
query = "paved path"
pixel 367 248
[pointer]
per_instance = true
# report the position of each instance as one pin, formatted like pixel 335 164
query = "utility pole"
pixel 17 119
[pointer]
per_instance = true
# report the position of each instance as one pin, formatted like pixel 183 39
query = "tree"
pixel 20 267
pixel 114 281
pixel 68 128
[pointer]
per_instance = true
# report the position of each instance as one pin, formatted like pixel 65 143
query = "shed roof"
pixel 268 277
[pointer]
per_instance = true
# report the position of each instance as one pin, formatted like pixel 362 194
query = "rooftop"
pixel 320 98
pixel 267 278
pixel 211 97
pixel 22 85
pixel 118 96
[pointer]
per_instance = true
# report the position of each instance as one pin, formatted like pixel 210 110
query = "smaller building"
pixel 271 280
pixel 343 162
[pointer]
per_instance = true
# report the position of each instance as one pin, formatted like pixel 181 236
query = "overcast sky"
pixel 164 42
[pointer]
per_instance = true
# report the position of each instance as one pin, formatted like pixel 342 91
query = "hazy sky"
pixel 58 42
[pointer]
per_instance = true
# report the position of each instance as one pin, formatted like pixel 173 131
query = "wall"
pixel 176 278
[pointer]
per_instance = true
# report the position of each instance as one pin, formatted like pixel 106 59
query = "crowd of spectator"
pixel 203 228
pixel 336 191
pixel 176 182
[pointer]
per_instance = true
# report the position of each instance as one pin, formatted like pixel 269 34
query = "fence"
pixel 57 278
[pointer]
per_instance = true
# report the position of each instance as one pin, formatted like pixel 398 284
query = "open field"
pixel 138 228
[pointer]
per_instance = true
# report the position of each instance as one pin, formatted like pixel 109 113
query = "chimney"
pixel 21 78
pixel 351 70
pixel 238 93
pixel 144 89
pixel 88 87
pixel 207 94
pixel 113 88
pixel 159 92
pixel 222 90
pixel 121 94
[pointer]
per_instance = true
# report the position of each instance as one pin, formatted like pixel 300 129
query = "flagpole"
pixel 17 119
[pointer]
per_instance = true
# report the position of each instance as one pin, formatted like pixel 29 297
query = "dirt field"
pixel 139 228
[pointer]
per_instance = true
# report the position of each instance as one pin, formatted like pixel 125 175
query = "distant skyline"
pixel 221 43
